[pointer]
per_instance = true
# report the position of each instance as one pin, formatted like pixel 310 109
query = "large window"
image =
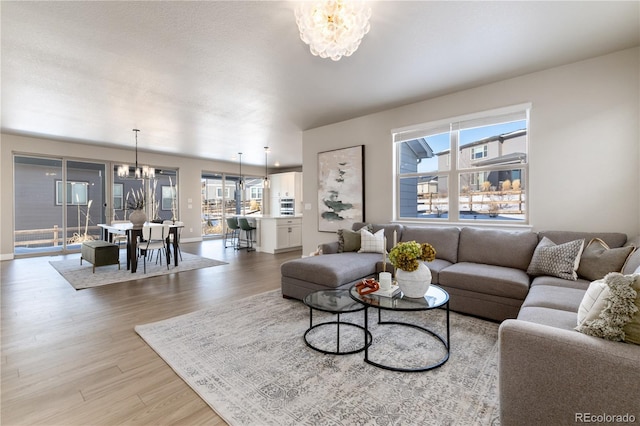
pixel 470 168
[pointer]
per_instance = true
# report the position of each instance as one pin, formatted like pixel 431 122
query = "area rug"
pixel 81 276
pixel 249 362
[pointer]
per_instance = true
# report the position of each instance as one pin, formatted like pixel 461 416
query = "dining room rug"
pixel 81 276
pixel 248 361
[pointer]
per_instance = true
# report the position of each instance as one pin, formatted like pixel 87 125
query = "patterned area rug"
pixel 81 276
pixel 249 362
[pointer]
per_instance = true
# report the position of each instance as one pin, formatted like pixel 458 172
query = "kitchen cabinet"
pixel 279 234
pixel 286 185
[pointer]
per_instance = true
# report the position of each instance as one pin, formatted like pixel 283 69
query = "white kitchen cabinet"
pixel 279 234
pixel 286 185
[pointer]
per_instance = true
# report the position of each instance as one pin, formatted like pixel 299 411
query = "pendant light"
pixel 266 184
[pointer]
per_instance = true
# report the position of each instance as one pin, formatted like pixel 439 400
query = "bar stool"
pixel 248 230
pixel 233 229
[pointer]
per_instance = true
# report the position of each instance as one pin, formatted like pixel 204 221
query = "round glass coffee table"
pixel 436 297
pixel 335 302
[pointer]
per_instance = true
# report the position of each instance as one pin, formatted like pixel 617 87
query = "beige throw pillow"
pixel 598 259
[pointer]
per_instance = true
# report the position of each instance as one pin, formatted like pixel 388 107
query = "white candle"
pixel 384 254
pixel 385 280
pixel 395 237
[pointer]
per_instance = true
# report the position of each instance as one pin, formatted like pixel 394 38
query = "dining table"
pixel 135 233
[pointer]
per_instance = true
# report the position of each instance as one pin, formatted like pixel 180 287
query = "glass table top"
pixel 434 298
pixel 334 301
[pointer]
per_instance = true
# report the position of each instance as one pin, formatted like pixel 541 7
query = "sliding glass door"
pixel 58 204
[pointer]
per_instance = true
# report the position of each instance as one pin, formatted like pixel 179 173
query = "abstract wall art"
pixel 340 188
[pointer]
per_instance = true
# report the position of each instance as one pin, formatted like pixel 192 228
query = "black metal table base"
pixel 437 364
pixel 338 324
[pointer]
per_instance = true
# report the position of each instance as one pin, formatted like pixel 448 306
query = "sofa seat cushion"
pixel 580 283
pixel 489 279
pixel 331 270
pixel 435 266
pixel 558 318
pixel 553 297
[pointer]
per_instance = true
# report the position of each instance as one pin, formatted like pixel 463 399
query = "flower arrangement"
pixel 406 255
pixel 136 199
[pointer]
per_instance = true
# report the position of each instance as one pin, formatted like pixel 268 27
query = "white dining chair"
pixel 155 237
pixel 176 235
pixel 119 238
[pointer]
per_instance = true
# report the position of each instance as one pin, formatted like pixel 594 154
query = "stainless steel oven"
pixel 287 207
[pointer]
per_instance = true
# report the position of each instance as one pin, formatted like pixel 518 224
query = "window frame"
pixel 455 169
pixel 69 192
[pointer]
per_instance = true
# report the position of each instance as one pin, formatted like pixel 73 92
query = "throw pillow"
pixel 632 328
pixel 619 308
pixel 348 240
pixel 371 243
pixel 593 301
pixel 598 259
pixel 559 260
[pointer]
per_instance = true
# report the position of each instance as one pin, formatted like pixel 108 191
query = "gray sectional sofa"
pixel 549 373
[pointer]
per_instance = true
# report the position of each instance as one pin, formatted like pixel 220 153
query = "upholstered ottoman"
pixel 100 253
pixel 328 271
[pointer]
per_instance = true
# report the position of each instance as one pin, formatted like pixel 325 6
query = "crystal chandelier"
pixel 143 172
pixel 333 28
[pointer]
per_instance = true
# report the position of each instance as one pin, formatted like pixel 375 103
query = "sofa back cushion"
pixel 512 249
pixel 444 240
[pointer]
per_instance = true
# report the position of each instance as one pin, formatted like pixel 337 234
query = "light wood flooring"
pixel 73 358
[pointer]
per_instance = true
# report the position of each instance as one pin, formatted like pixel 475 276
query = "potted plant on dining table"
pixel 136 202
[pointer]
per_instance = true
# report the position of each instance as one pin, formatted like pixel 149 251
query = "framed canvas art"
pixel 340 188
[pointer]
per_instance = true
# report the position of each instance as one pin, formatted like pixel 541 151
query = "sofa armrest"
pixel 329 248
pixel 548 375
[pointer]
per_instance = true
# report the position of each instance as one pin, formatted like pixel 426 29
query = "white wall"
pixel 189 175
pixel 584 145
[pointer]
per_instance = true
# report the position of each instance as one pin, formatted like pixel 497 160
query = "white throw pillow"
pixel 371 243
pixel 593 301
pixel 619 308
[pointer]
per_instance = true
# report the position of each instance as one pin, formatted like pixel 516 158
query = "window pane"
pixel 428 154
pixel 424 197
pixel 504 143
pixel 492 194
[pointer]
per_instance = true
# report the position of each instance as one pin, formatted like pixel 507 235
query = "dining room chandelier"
pixel 139 172
pixel 333 28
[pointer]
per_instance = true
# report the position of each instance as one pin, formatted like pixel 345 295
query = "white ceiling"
pixel 211 79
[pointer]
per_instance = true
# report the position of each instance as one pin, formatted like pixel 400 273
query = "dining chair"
pixel 248 233
pixel 118 238
pixel 155 237
pixel 179 225
pixel 233 229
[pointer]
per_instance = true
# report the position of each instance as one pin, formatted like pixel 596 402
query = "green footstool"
pixel 100 253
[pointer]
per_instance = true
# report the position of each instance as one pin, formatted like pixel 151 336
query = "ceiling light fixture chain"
pixel 333 28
